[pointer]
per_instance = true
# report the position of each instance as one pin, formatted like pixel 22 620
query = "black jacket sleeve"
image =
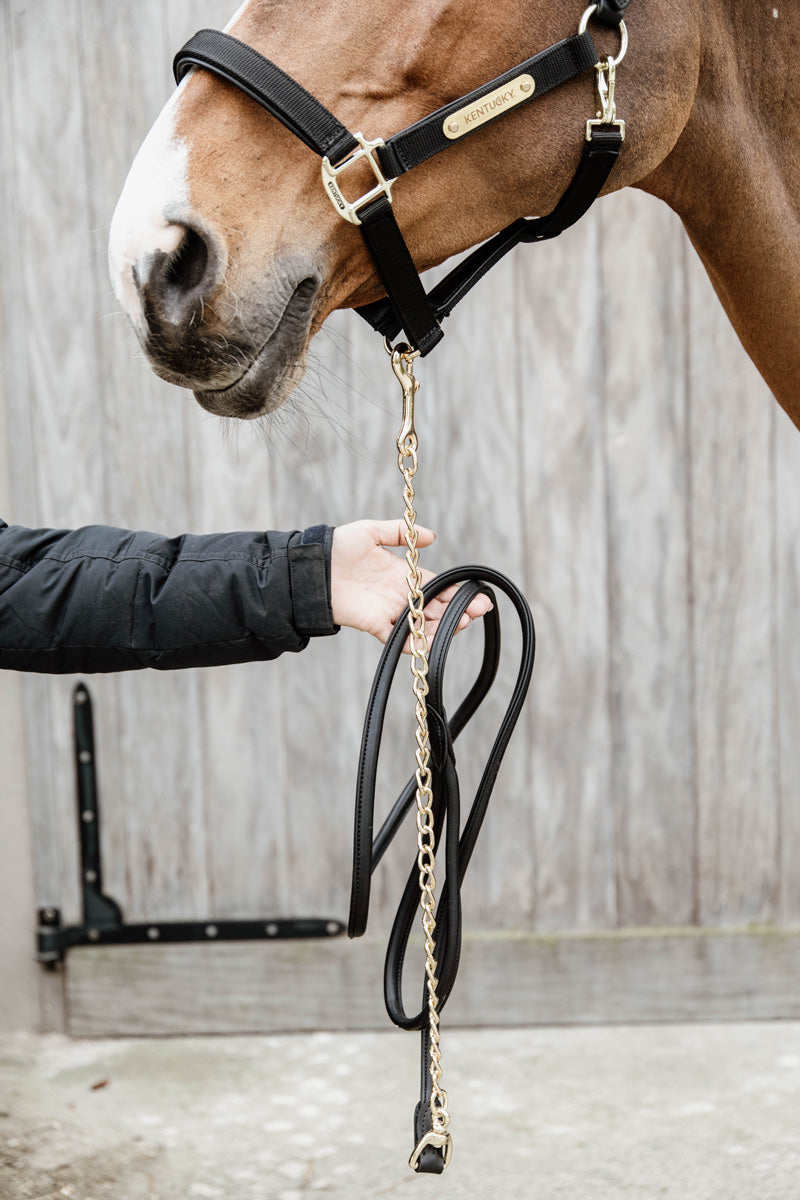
pixel 105 599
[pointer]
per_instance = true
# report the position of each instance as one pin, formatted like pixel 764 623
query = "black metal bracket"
pixel 103 923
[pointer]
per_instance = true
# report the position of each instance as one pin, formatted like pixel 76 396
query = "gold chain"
pixel 407 445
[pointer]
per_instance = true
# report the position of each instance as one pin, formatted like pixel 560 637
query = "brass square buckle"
pixel 330 173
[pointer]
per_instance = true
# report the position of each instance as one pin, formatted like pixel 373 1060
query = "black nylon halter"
pixel 408 307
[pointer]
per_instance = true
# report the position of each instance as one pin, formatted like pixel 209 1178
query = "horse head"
pixel 226 253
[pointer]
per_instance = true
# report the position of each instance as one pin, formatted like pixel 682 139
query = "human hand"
pixel 368 582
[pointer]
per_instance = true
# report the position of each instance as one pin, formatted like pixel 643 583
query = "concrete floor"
pixel 679 1112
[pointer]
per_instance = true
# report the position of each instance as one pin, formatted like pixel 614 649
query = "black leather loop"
pixel 610 12
pixel 454 845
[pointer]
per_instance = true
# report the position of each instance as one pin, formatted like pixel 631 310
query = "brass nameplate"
pixel 491 106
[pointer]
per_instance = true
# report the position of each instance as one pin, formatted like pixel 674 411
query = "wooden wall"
pixel 606 442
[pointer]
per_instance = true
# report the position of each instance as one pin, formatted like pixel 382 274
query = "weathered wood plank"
pixel 154 804
pixel 656 975
pixel 561 428
pixel 787 559
pixel 18 975
pixel 644 343
pixel 54 412
pixel 472 483
pixel 733 590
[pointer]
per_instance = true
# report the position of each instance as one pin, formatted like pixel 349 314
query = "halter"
pixel 408 307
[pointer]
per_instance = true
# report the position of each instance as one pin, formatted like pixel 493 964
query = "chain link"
pixel 407 446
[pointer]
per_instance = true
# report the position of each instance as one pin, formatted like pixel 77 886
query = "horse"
pixel 227 256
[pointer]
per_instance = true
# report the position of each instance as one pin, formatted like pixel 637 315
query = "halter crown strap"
pixel 547 70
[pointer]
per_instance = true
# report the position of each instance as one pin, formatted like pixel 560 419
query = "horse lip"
pixel 245 397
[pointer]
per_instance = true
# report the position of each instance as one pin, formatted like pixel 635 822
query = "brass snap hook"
pixel 606 87
pixel 403 357
pixel 440 1140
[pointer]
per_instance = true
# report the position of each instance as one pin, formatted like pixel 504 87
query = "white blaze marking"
pixel 157 184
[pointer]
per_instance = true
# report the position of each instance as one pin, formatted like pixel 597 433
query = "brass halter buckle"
pixel 330 174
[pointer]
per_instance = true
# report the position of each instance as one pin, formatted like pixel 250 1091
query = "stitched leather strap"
pixel 550 68
pixel 457 848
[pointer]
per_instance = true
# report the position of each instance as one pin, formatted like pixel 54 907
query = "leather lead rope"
pixel 434 787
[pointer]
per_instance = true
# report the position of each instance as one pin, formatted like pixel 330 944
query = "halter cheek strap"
pixel 407 306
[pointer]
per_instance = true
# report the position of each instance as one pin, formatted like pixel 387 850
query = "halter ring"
pixel 623 33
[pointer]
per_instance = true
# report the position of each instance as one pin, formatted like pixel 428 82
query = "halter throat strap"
pixel 407 306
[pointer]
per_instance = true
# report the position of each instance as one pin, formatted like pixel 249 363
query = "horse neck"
pixel 734 179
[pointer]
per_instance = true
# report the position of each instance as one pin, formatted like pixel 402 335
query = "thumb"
pixel 393 533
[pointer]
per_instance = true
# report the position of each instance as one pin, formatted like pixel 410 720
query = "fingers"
pixel 478 607
pixel 434 611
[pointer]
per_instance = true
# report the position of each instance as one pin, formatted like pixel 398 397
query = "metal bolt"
pixel 90 876
pixel 87 815
pixel 211 931
pixel 81 697
pixel 272 929
pixel 49 914
pixel 525 86
pixel 84 756
pixel 153 934
pixel 453 126
pixel 94 935
pixel 332 928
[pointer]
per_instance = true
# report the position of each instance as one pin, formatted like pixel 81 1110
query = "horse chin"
pixel 267 373
pixel 266 384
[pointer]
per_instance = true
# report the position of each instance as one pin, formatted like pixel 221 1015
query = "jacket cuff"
pixel 310 581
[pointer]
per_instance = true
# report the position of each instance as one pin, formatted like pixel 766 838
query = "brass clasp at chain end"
pixel 403 357
pixel 440 1140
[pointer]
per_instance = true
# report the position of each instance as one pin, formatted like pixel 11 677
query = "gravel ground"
pixel 700 1112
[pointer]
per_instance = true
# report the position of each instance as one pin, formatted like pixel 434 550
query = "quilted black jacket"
pixel 105 599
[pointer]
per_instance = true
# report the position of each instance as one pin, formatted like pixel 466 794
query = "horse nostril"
pixel 184 269
pixel 178 280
